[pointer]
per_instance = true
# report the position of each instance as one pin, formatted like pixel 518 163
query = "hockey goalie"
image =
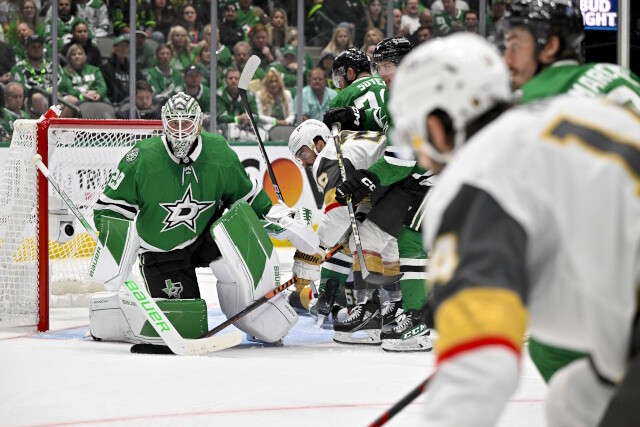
pixel 180 201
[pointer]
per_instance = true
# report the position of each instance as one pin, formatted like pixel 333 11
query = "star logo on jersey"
pixel 173 290
pixel 184 212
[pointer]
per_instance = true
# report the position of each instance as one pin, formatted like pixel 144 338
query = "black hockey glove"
pixel 358 186
pixel 350 118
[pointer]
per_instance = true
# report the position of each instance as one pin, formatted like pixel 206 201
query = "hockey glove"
pixel 350 118
pixel 358 186
pixel 307 267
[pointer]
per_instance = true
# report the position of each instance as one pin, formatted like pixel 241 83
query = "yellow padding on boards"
pixel 473 314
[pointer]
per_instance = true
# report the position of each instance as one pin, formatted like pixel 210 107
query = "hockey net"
pixel 44 251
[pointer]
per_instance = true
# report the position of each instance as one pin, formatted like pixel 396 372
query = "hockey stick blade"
pixel 368 276
pixel 248 71
pixel 194 347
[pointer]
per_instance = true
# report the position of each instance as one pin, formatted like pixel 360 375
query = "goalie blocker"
pixel 246 269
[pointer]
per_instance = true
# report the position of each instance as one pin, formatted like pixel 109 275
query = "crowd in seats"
pixel 172 39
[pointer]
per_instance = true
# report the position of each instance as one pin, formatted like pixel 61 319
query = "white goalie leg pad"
pixel 253 259
pixel 113 316
pixel 116 253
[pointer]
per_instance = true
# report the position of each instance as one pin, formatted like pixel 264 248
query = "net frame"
pixel 58 137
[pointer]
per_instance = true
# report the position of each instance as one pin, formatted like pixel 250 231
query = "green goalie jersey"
pixel 175 202
pixel 588 80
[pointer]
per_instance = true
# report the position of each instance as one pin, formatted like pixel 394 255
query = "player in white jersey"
pixel 313 146
pixel 535 224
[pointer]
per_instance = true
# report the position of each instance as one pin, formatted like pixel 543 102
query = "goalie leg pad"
pixel 113 316
pixel 247 270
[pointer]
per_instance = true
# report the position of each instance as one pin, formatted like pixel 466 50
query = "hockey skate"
pixel 325 303
pixel 410 334
pixel 391 310
pixel 363 325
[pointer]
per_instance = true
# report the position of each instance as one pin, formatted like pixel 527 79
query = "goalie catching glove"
pixel 359 185
pixel 293 225
pixel 350 118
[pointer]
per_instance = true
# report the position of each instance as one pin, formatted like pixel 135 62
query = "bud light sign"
pixel 599 14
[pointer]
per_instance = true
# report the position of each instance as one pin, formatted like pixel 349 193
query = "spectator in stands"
pixel 230 32
pixel 224 56
pixel 424 33
pixel 67 11
pixel 7 60
pixel 145 107
pixel 35 72
pixel 248 15
pixel 438 7
pixel 372 37
pixel 350 11
pixel 145 54
pixel 374 18
pixel 398 30
pixel 260 46
pixel 120 16
pixel 241 54
pixel 179 42
pixel 274 102
pixel 12 111
pixel 369 48
pixel 410 18
pixel 326 64
pixel 278 31
pixel 163 79
pixel 203 62
pixel 341 40
pixel 23 31
pixel 204 12
pixel 451 20
pixel 316 97
pixel 426 18
pixel 193 87
pixel 164 17
pixel 9 12
pixel 80 36
pixel 96 15
pixel 116 71
pixel 470 19
pixel 229 104
pixel 494 18
pixel 318 27
pixel 308 62
pixel 81 82
pixel 190 22
pixel 29 15
pixel 288 68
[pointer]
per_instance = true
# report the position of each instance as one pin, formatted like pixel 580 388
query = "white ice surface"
pixel 60 378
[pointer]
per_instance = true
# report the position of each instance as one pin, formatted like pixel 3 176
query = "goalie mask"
pixel 306 135
pixel 181 121
pixel 461 75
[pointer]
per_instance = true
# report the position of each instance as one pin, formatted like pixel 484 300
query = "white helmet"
pixel 181 120
pixel 462 74
pixel 306 134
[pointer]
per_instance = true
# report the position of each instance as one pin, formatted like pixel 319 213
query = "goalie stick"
pixel 162 349
pixel 368 276
pixel 399 406
pixel 143 300
pixel 247 73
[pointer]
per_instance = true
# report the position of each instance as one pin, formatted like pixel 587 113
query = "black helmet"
pixel 352 58
pixel 544 18
pixel 392 49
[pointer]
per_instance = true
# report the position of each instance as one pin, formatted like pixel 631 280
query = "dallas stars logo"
pixel 184 212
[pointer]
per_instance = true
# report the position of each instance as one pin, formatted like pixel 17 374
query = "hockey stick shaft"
pixel 400 405
pixel 144 302
pixel 377 279
pixel 247 74
pixel 248 309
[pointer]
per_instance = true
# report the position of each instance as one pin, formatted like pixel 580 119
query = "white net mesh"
pixel 81 157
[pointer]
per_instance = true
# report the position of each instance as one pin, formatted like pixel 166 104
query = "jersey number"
pixel 369 97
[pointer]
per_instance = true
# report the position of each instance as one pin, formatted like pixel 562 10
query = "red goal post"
pixel 44 251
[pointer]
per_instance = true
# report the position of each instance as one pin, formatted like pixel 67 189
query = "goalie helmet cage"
pixel 39 263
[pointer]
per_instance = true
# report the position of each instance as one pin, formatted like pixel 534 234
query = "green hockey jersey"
pixel 173 202
pixel 366 92
pixel 587 80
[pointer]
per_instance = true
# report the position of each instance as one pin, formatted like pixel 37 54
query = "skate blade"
pixel 410 345
pixel 362 337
